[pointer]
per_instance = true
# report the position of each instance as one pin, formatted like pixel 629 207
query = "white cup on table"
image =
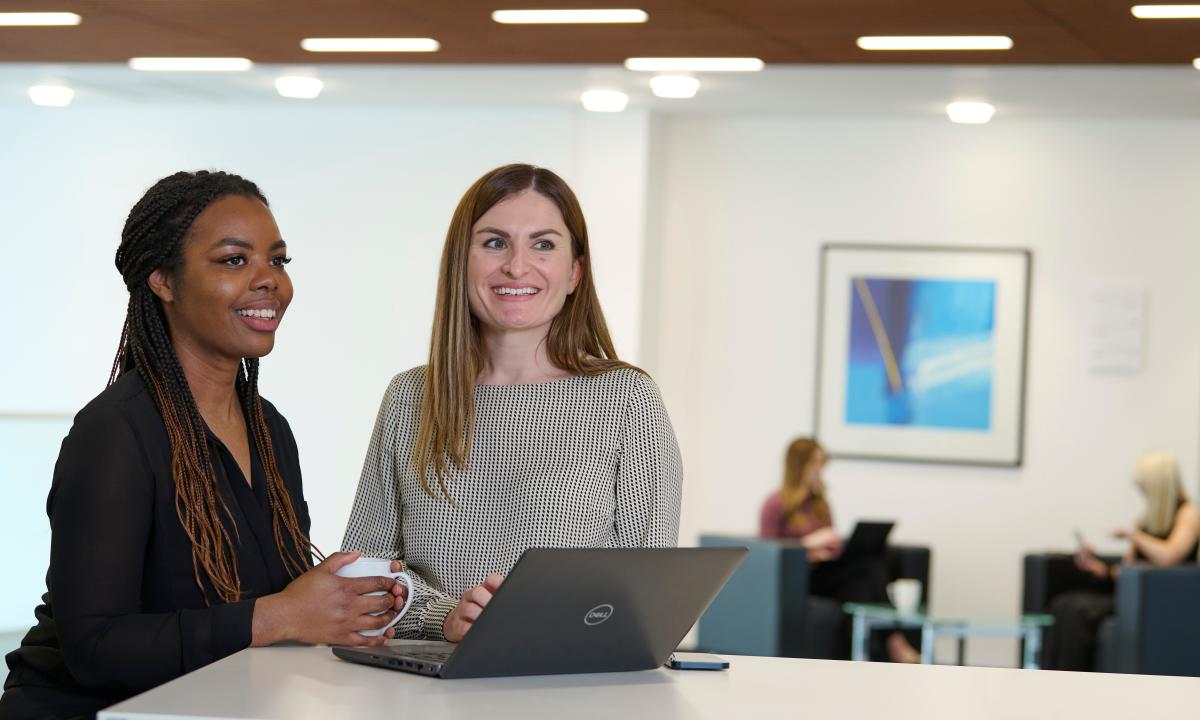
pixel 379 567
pixel 905 594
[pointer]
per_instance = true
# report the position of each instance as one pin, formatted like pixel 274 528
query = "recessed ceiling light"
pixel 674 86
pixel 298 86
pixel 713 64
pixel 1196 63
pixel 604 100
pixel 970 112
pixel 935 42
pixel 182 64
pixel 51 95
pixel 1165 12
pixel 554 17
pixel 38 19
pixel 370 44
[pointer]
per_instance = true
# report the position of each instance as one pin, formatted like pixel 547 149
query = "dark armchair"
pixel 766 609
pixel 1156 629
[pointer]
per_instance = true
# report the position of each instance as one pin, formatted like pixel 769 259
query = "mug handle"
pixel 408 599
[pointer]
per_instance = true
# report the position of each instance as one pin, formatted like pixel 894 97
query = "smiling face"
pixel 228 297
pixel 520 266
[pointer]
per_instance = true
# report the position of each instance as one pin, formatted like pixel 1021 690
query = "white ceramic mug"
pixel 905 594
pixel 379 567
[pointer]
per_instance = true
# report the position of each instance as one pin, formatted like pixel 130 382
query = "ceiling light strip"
pixel 569 17
pixel 38 19
pixel 370 45
pixel 192 64
pixel 1165 12
pixel 935 42
pixel 714 64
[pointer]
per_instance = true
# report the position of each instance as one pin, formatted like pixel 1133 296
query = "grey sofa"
pixel 1156 629
pixel 766 608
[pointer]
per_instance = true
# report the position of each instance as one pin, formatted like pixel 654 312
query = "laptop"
pixel 868 538
pixel 575 611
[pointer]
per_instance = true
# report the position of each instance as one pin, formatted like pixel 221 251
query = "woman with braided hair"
pixel 179 531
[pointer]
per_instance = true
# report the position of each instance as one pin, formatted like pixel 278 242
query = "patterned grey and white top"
pixel 579 462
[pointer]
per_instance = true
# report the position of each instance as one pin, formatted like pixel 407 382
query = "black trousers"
pixel 1070 643
pixel 858 578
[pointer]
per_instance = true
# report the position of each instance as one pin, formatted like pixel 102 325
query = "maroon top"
pixel 773 524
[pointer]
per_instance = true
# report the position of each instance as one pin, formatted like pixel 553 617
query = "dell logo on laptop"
pixel 598 614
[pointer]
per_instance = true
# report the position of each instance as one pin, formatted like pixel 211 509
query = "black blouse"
pixel 1187 559
pixel 122 612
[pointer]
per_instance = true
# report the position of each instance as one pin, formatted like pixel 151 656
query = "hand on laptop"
pixel 470 605
pixel 823 544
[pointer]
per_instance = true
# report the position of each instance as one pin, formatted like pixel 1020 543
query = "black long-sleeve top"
pixel 122 612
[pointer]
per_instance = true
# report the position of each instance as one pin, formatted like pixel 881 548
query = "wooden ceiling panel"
pixel 1119 37
pixel 779 31
pixel 1040 46
pixel 890 16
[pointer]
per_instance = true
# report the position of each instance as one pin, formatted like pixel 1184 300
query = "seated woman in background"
pixel 524 429
pixel 1167 534
pixel 179 531
pixel 800 510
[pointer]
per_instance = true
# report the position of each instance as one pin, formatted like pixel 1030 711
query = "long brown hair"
pixel 578 339
pixel 152 239
pixel 796 490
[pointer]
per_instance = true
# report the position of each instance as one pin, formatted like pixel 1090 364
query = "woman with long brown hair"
pixel 179 531
pixel 524 429
pixel 801 511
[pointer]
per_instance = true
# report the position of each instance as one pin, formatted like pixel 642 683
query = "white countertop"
pixel 309 682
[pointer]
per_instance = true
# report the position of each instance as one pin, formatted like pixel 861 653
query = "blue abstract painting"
pixel 922 353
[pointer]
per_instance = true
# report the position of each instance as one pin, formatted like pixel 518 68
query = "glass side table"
pixel 868 617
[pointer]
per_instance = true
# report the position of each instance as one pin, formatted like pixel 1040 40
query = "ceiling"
pixel 778 31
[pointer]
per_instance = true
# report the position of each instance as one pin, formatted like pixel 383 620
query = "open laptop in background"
pixel 868 538
pixel 575 611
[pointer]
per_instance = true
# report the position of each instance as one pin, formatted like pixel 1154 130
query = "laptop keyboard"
pixel 439 656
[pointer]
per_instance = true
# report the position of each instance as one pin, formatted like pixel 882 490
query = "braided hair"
pixel 152 239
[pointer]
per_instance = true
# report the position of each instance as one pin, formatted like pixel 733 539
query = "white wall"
pixel 744 205
pixel 363 197
pixel 706 229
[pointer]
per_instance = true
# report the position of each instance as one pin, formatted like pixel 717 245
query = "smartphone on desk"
pixel 696 661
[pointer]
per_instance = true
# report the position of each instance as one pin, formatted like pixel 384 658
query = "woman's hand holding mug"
pixel 374 568
pixel 345 600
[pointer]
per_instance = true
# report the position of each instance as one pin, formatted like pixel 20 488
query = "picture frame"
pixel 921 353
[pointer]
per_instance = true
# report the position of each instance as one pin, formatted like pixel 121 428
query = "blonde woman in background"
pixel 800 510
pixel 1167 534
pixel 524 430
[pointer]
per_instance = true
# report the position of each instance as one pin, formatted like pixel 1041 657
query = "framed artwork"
pixel 921 353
